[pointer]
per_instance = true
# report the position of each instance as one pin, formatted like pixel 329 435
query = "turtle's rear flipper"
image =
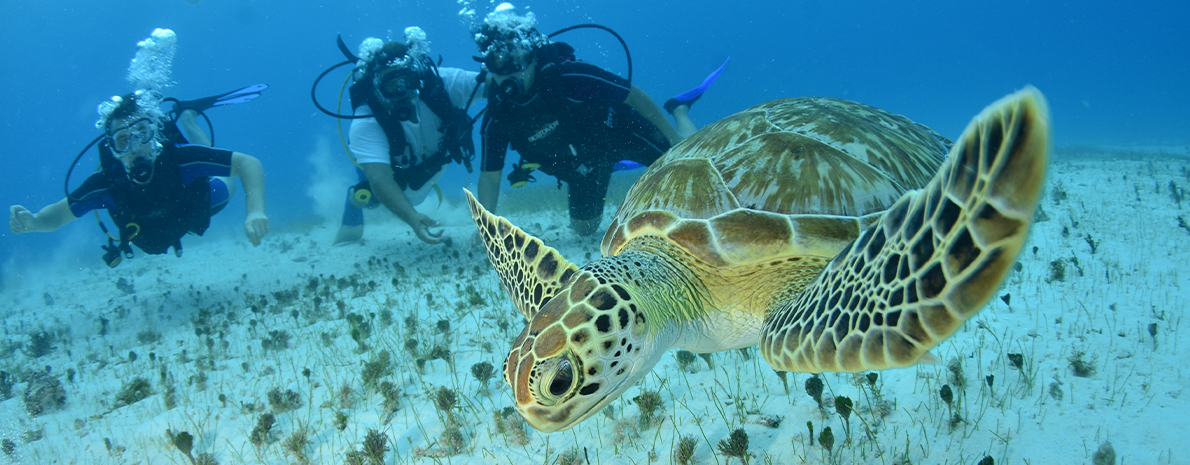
pixel 530 271
pixel 911 280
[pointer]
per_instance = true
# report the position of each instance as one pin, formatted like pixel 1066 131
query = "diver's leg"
pixel 679 105
pixel 682 121
pixel 351 228
pixel 188 124
pixel 222 188
pixel 586 202
pixel 585 227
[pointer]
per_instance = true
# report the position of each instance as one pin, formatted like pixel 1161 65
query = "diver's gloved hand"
pixel 256 226
pixel 421 225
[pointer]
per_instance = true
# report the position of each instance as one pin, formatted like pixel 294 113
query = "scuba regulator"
pixel 508 90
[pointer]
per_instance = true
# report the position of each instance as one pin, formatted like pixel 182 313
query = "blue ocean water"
pixel 1113 73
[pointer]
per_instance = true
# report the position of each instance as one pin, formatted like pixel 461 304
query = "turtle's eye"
pixel 563 379
pixel 557 380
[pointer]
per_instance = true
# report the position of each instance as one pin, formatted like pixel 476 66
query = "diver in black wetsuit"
pixel 158 177
pixel 570 119
pixel 156 186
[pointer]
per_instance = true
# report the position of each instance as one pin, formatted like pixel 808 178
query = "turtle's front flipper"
pixel 909 281
pixel 530 271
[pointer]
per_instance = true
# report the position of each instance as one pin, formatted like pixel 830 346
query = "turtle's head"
pixel 586 346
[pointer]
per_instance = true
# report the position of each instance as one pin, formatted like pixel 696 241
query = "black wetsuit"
pixel 179 199
pixel 575 124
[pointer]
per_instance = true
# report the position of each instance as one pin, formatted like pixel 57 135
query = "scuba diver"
pixel 568 118
pixel 156 186
pixel 409 122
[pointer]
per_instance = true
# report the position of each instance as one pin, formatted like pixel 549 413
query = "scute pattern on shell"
pixel 836 236
pixel 824 159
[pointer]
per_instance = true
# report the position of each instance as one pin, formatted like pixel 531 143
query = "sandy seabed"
pixel 321 339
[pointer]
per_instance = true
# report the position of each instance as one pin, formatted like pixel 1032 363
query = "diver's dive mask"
pixel 397 83
pixel 506 60
pixel 132 136
pixel 137 148
pixel 396 87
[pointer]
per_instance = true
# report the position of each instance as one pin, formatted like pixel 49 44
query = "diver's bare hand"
pixel 421 227
pixel 20 219
pixel 255 227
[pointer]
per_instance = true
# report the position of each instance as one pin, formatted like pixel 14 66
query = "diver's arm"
pixel 459 85
pixel 251 174
pixel 380 176
pixel 489 189
pixel 188 124
pixel 50 218
pixel 643 104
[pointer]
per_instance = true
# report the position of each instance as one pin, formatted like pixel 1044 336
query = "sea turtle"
pixel 836 235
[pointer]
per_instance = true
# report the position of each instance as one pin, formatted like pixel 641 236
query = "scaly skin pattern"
pixel 591 332
pixel 598 336
pixel 530 271
pixel 703 256
pixel 613 319
pixel 911 280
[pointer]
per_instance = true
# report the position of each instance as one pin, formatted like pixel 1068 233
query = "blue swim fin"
pixel 689 97
pixel 229 98
pixel 626 165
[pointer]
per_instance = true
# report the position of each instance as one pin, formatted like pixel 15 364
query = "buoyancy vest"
pixel 156 215
pixel 456 144
pixel 566 137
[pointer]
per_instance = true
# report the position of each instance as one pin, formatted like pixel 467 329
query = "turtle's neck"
pixel 655 273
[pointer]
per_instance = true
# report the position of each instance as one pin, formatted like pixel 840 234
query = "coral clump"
pixel 44 394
